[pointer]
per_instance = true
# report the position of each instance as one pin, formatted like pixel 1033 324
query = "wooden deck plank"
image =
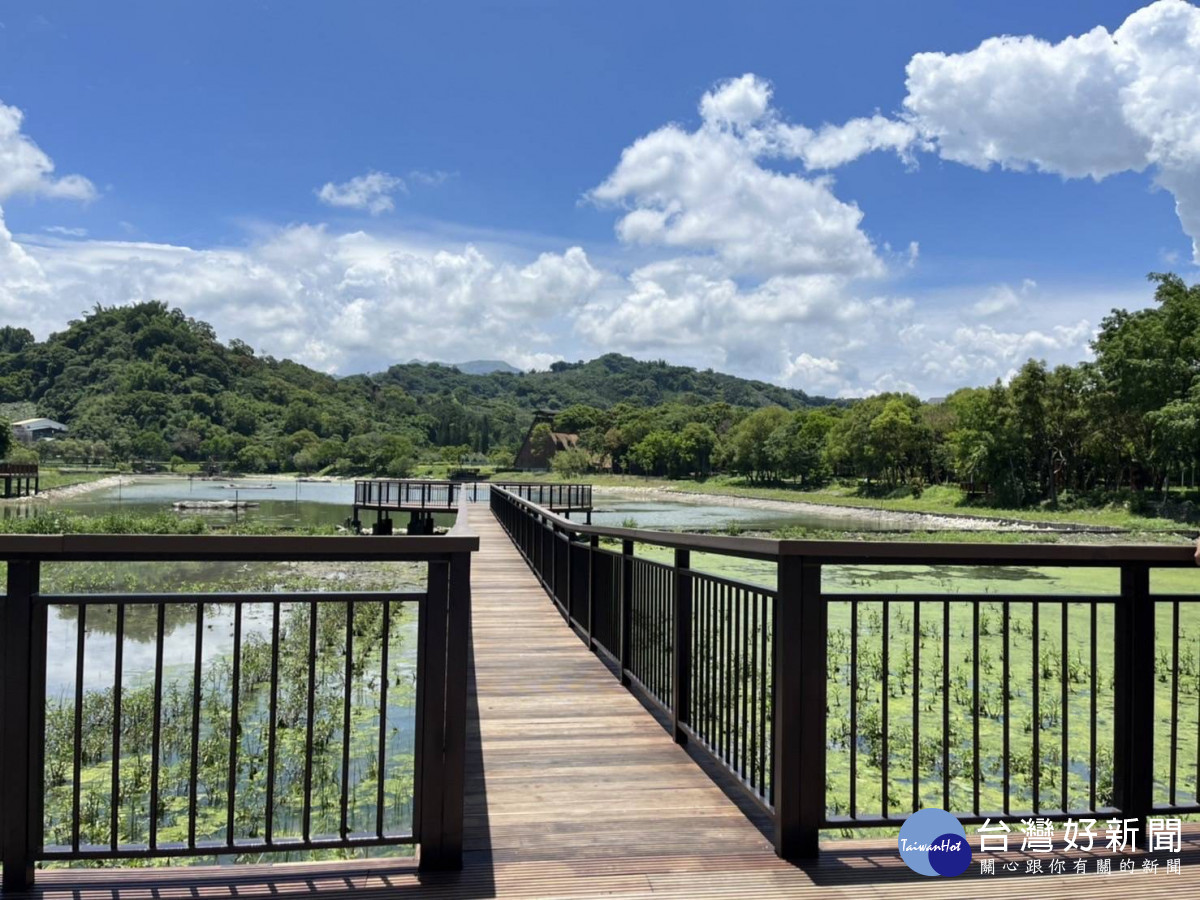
pixel 575 791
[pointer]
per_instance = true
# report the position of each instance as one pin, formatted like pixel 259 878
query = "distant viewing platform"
pixel 421 499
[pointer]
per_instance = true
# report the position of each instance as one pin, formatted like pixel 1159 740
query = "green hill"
pixel 602 382
pixel 148 381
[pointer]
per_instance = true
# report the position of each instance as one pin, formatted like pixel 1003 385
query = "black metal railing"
pixel 837 705
pixel 556 497
pixel 319 740
pixel 407 494
pixel 416 495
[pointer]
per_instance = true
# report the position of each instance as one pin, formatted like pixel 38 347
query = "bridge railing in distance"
pixel 20 479
pixel 407 494
pixel 156 800
pixel 555 497
pixel 422 494
pixel 838 702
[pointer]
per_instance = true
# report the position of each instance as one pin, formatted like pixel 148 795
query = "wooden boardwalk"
pixel 575 790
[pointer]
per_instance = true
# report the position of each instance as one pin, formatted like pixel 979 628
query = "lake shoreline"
pixel 70 490
pixel 897 520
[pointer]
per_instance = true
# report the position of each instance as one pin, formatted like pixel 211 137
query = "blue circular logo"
pixel 933 842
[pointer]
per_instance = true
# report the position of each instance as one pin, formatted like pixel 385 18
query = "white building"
pixel 30 430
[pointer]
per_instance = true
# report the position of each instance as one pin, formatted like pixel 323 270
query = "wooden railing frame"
pixel 800 645
pixel 444 611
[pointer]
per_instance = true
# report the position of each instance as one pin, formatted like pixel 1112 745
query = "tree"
pixel 658 453
pixel 899 442
pixel 540 441
pixel 798 446
pixel 401 466
pixel 746 449
pixel 570 463
pixel 1176 436
pixel 696 444
pixel 577 418
pixel 5 438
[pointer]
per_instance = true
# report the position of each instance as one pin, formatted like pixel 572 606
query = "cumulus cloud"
pixel 711 190
pixel 1089 106
pixel 372 192
pixel 835 145
pixel 26 169
pixel 816 374
pixel 337 301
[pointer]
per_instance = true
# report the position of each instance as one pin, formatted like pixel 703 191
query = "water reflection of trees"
pixel 200 578
pixel 369 680
pixel 141 619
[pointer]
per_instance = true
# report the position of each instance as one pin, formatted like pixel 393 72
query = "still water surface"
pixel 295 503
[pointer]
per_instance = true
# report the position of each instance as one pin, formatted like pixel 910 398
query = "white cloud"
pixel 65 231
pixel 372 192
pixel 338 302
pixel 1002 299
pixel 836 145
pixel 1089 106
pixel 737 103
pixel 430 179
pixel 816 374
pixel 709 191
pixel 26 169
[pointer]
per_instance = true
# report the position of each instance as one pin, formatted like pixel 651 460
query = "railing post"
pixel 682 644
pixel 626 609
pixel 553 531
pixel 1133 750
pixel 21 797
pixel 593 549
pixel 800 636
pixel 569 577
pixel 438 811
pixel 457 674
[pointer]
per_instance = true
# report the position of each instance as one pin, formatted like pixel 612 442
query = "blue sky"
pixel 359 184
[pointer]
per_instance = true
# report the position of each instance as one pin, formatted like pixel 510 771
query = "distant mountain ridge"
pixel 602 382
pixel 475 366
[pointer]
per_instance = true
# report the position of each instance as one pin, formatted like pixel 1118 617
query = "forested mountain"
pixel 148 381
pixel 602 383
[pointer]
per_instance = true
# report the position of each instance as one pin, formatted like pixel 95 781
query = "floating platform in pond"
pixel 214 504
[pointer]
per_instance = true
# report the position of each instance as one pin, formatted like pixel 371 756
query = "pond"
pixel 292 503
pixel 282 503
pixel 681 515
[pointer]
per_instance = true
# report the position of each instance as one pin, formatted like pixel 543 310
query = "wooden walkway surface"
pixel 574 790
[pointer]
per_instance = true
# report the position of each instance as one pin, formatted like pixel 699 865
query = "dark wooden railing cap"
pixel 191 547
